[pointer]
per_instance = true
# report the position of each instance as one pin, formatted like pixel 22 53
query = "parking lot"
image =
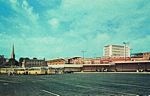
pixel 79 84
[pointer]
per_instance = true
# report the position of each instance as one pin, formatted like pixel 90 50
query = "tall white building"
pixel 116 51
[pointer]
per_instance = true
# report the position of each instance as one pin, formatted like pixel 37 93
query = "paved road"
pixel 90 84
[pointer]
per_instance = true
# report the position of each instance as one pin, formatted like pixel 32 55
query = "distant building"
pixel 113 59
pixel 2 60
pixel 140 56
pixel 56 61
pixel 88 60
pixel 80 60
pixel 75 60
pixel 116 51
pixel 13 53
pixel 34 62
pixel 96 61
pixel 146 55
pixel 12 61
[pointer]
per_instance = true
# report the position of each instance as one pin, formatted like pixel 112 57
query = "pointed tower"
pixel 13 53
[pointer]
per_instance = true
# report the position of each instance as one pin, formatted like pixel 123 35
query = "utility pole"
pixel 125 44
pixel 83 51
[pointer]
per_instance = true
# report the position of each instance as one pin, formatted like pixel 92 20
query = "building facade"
pixel 12 61
pixel 146 55
pixel 116 51
pixel 56 61
pixel 140 56
pixel 75 60
pixel 13 53
pixel 2 60
pixel 95 61
pixel 34 62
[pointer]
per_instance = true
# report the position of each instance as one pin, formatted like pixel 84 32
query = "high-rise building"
pixel 116 51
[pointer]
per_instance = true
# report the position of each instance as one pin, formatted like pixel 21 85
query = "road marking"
pixel 50 92
pixel 125 84
pixel 92 88
pixel 131 85
pixel 103 88
pixel 5 81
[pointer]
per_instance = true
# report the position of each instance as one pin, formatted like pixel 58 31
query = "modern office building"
pixel 116 51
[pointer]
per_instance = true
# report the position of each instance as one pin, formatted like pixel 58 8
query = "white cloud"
pixel 54 22
pixel 25 10
pixel 29 10
pixel 13 1
pixel 25 4
pixel 75 25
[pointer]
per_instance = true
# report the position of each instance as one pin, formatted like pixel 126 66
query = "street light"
pixel 83 51
pixel 125 43
pixel 131 52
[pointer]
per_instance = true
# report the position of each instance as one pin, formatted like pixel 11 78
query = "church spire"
pixel 13 52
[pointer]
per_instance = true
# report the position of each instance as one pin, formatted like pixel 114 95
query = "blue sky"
pixel 62 28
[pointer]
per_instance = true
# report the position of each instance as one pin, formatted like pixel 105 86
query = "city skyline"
pixel 63 28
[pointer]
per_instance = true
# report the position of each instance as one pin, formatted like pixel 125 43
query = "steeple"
pixel 13 53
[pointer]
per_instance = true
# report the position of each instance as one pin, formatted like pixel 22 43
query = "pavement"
pixel 88 84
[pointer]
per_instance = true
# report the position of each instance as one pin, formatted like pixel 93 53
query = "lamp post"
pixel 83 51
pixel 131 52
pixel 125 44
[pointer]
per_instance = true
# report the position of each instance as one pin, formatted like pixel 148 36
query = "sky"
pixel 63 28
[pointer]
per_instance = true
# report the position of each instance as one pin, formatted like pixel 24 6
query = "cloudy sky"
pixel 62 28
